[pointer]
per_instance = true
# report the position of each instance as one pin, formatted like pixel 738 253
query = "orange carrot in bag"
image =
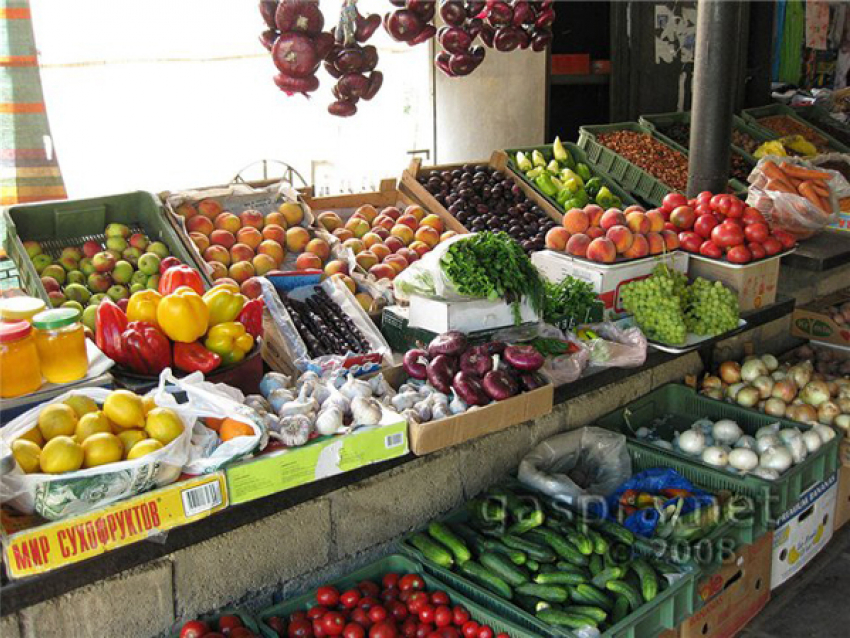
pixel 809 193
pixel 782 186
pixel 803 173
pixel 772 171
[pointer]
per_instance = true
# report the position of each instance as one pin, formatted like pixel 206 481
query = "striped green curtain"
pixel 793 37
pixel 29 169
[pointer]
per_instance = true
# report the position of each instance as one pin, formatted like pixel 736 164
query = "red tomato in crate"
pixel 368 588
pixel 426 614
pixel 704 225
pixel 703 209
pixel 772 246
pixel 278 625
pixel 709 249
pixel 690 241
pixel 704 198
pixel 443 616
pixel 353 630
pixel 757 250
pixel 383 629
pixel 361 617
pixel 411 581
pixel 423 630
pixel 440 598
pixel 417 600
pixel 368 602
pixel 739 255
pixel 390 580
pixel 460 615
pixel 350 598
pixel 298 615
pixel 226 623
pixel 398 610
pixel 327 596
pixel 333 623
pixel 485 632
pixel 300 628
pixel 727 235
pixel 756 232
pixel 390 595
pixel 683 217
pixel 319 629
pixel 449 632
pixel 316 612
pixel 194 629
pixel 377 614
pixel 736 208
pixel 470 629
pixel 408 628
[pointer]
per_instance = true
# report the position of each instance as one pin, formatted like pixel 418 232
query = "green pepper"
pixel 593 186
pixel 570 174
pixel 522 162
pixel 618 203
pixel 537 158
pixel 578 200
pixel 584 171
pixel 560 153
pixel 553 166
pixel 605 198
pixel 563 196
pixel 534 173
pixel 572 185
pixel 544 183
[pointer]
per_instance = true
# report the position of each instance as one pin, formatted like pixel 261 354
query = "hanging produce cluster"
pixel 298 44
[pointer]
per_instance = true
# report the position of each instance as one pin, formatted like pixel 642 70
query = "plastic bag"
pixel 426 278
pixel 559 370
pixel 56 496
pixel 617 348
pixel 578 467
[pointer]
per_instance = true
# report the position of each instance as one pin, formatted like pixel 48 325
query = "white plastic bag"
pixel 426 277
pixel 56 496
pixel 617 347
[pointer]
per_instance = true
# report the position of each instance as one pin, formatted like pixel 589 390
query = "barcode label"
pixel 394 440
pixel 201 499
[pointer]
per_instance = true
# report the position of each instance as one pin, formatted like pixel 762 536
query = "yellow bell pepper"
pixel 142 306
pixel 183 315
pixel 224 303
pixel 230 341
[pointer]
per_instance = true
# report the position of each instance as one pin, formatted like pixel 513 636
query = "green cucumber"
pixel 648 578
pixel 617 532
pixel 532 565
pixel 585 594
pixel 530 520
pixel 550 593
pixel 539 553
pixel 486 579
pixel 625 589
pixel 441 533
pixel 597 613
pixel 527 603
pixel 503 568
pixel 562 547
pixel 560 578
pixel 621 609
pixel 600 544
pixel 582 542
pixel 487 511
pixel 609 573
pixel 483 544
pixel 596 564
pixel 565 619
pixel 564 566
pixel 432 550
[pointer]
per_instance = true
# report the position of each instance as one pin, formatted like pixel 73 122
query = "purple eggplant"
pixel 498 385
pixel 450 343
pixel 476 361
pixel 441 371
pixel 532 381
pixel 468 388
pixel 414 364
pixel 524 358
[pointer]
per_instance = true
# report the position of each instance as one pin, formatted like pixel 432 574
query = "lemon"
pixel 124 409
pixel 61 454
pixel 91 423
pixel 81 404
pixel 144 447
pixel 57 420
pixel 34 435
pixel 163 425
pixel 148 404
pixel 130 437
pixel 26 453
pixel 102 448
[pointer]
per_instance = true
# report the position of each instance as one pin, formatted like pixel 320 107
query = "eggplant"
pixel 450 343
pixel 468 388
pixel 498 385
pixel 414 364
pixel 476 361
pixel 525 358
pixel 532 381
pixel 441 371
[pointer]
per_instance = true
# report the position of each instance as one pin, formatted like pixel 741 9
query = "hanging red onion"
pixel 300 15
pixel 294 54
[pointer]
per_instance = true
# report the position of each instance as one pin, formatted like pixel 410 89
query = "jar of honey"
pixel 61 344
pixel 20 372
pixel 20 308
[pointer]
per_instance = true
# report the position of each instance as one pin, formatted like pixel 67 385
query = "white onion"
pixel 711 381
pixel 730 372
pixel 726 431
pixel 801 373
pixel 748 397
pixel 775 407
pixel 814 393
pixel 770 362
pixel 812 441
pixel 764 443
pixel 712 393
pixel 785 389
pixel 787 435
pixel 692 442
pixel 765 473
pixel 715 456
pixel 844 404
pixel 765 430
pixel 798 450
pixel 843 421
pixel 732 390
pixel 827 411
pixel 753 369
pixel 778 375
pixel 746 442
pixel 663 444
pixel 743 459
pixel 776 458
pixel 764 385
pixel 825 432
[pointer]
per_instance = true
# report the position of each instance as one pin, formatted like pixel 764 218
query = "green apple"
pixel 159 249
pixel 78 293
pixel 76 277
pixel 153 282
pixel 41 261
pixel 122 273
pixel 117 292
pixel 96 299
pixel 87 266
pixel 134 288
pixel 149 263
pixel 116 243
pixel 33 248
pixel 139 277
pixel 76 305
pixel 132 255
pixel 89 317
pixel 117 230
pixel 56 271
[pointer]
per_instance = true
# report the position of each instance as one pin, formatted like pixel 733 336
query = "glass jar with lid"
pixel 20 308
pixel 61 343
pixel 20 371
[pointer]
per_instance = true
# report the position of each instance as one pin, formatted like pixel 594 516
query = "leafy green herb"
pixel 552 347
pixel 571 298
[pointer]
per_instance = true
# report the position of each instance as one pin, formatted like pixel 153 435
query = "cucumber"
pixel 648 579
pixel 625 589
pixel 600 544
pixel 486 579
pixel 596 564
pixel 432 550
pixel 550 593
pixel 539 553
pixel 609 573
pixel 560 578
pixel 585 594
pixel 487 512
pixel 527 603
pixel 532 565
pixel 564 566
pixel 597 613
pixel 442 534
pixel 503 568
pixel 582 542
pixel 566 619
pixel 615 531
pixel 621 609
pixel 530 520
pixel 562 547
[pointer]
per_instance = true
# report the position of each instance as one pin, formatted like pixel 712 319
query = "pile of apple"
pixel 385 243
pixel 723 227
pixel 604 235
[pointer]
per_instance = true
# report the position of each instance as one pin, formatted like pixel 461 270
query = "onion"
pixel 743 459
pixel 732 390
pixel 469 389
pixel 730 372
pixel 476 361
pixel 814 393
pixel 765 443
pixel 294 54
pixel 763 472
pixel 711 381
pixel 747 442
pixel 498 385
pixel 843 421
pixel 827 411
pixel 747 397
pixel 786 390
pixel 825 432
pixel 801 373
pixel 764 385
pixel 713 393
pixel 770 362
pixel 833 388
pixel 449 343
pixel 692 442
pixel 775 407
pixel 778 375
pixel 753 369
pixel 812 441
pixel 786 435
pixel 414 364
pixel 767 430
pixel 525 358
pixel 726 431
pixel 802 413
pixel 715 456
pixel 844 403
pixel 776 458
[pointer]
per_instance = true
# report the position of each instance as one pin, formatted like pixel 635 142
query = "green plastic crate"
pixel 580 157
pixel 481 613
pixel 820 117
pixel 755 114
pixel 771 498
pixel 666 611
pixel 58 224
pixel 247 620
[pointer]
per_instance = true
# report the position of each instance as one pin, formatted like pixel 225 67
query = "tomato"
pixel 426 614
pixel 704 224
pixel 368 603
pixel 739 255
pixel 423 630
pixel 704 198
pixel 440 598
pixel 383 629
pixel 756 232
pixel 214 634
pixel 408 627
pixel 319 629
pixel 353 630
pixel 710 249
pixel 226 623
pixel 377 614
pixel 411 581
pixel 736 208
pixel 449 632
pixel 404 596
pixel 714 202
pixel 757 250
pixel 772 245
pixel 673 200
pixel 416 601
pixel 485 632
pixel 350 598
pixel 300 628
pixel 669 226
pixel 460 615
pixel 727 235
pixel 690 241
pixel 194 629
pixel 390 580
pixel 683 217
pixel 703 210
pixel 398 610
pixel 470 629
pixel 316 612
pixel 240 632
pixel 368 588
pixel 752 216
pixel 390 595
pixel 443 616
pixel 327 596
pixel 297 615
pixel 785 238
pixel 502 635
pixel 277 625
pixel 333 623
pixel 361 617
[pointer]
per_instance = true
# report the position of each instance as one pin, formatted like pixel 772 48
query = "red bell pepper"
pixel 194 357
pixel 251 316
pixel 181 275
pixel 111 322
pixel 145 347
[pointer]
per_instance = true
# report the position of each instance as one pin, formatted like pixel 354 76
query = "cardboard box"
pixel 842 504
pixel 33 546
pixel 803 530
pixel 465 316
pixel 731 597
pixel 284 469
pixel 813 320
pixel 607 279
pixel 844 452
pixel 756 283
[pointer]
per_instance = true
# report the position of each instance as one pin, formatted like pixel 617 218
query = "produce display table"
pixel 822 252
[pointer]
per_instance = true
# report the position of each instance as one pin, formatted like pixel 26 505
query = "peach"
pixel 381 251
pixel 404 233
pixel 251 288
pixel 357 215
pixel 417 211
pixel 602 250
pixel 392 212
pixel 409 220
pixel 656 221
pixel 381 232
pixel 634 208
pixel 557 238
pixel 354 245
pixel 336 266
pixel 428 235
pixel 297 239
pixel 656 242
pixel 409 254
pixel 366 259
pixel 365 300
pixel 398 263
pixel 358 226
pixel 394 243
pixel 201 225
pixel 594 214
pixel 383 221
pixel 368 212
pixel 343 233
pixel 308 261
pixel 370 239
pixel 186 210
pixel 319 247
pixel 217 253
pixel 252 218
pixel 263 264
pixel 383 271
pixel 228 281
pixel 223 238
pixel 275 233
pixel 447 235
pixel 639 248
pixel 637 222
pixel 671 239
pixel 228 222
pixel 612 217
pixel 420 247
pixel 346 280
pixel 250 236
pixel 576 221
pixel 241 271
pixel 292 213
pixel 241 252
pixel 209 208
pixel 435 222
pixel 201 241
pixel 594 232
pixel 577 245
pixel 329 220
pixel 217 269
pixel 621 237
pixel 272 249
pixel 277 219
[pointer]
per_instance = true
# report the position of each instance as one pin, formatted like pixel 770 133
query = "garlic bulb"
pixel 294 430
pixel 405 400
pixel 411 416
pixel 380 387
pixel 457 405
pixel 273 381
pixel 440 411
pixel 297 406
pixel 329 421
pixel 354 388
pixel 423 409
pixel 258 403
pixel 337 399
pixel 280 396
pixel 365 411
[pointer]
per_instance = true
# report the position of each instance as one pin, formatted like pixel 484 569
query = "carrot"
pixel 780 185
pixel 772 171
pixel 802 173
pixel 819 187
pixel 793 181
pixel 809 193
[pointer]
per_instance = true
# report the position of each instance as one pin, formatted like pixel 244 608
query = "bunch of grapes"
pixel 658 305
pixel 711 308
